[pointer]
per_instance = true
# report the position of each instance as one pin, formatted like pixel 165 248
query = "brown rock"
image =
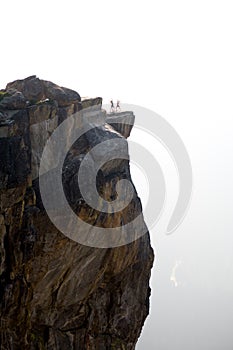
pixel 90 102
pixel 31 88
pixel 13 99
pixel 122 122
pixel 63 96
pixel 36 90
pixel 56 293
pixel 42 112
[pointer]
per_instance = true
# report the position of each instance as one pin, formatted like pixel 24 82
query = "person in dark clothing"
pixel 112 109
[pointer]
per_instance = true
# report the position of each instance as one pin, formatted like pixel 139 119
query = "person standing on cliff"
pixel 112 109
pixel 118 108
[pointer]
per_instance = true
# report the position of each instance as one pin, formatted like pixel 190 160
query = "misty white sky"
pixel 176 58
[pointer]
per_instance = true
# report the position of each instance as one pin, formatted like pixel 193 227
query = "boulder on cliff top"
pixel 34 90
pixel 12 99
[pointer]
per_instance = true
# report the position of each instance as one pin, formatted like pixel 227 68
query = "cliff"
pixel 57 293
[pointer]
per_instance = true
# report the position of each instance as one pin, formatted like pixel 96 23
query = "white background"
pixel 176 58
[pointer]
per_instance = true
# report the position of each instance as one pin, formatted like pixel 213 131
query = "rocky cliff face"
pixel 56 293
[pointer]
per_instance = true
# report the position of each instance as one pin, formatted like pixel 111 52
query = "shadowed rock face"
pixel 56 293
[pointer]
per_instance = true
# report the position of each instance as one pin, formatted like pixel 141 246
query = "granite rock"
pixel 56 293
pixel 35 90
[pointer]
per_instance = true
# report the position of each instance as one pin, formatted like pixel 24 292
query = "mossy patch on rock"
pixel 3 94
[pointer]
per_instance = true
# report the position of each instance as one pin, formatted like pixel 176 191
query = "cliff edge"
pixel 55 292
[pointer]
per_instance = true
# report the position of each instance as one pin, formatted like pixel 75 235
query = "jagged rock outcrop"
pixel 56 293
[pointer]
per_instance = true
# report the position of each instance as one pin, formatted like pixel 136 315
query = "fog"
pixel 175 58
pixel 192 278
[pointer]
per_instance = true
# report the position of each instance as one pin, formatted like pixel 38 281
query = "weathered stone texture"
pixel 56 293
